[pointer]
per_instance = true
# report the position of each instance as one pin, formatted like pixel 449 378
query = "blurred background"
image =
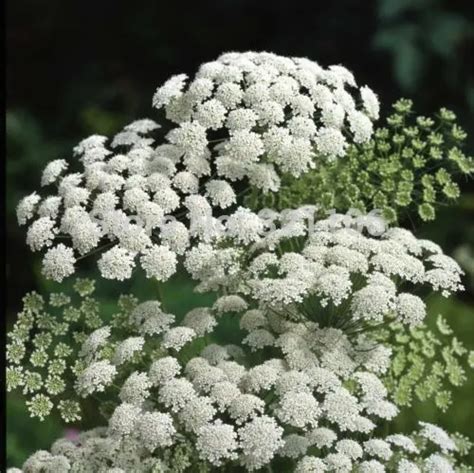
pixel 78 68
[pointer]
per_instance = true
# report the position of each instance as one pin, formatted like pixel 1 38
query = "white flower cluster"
pixel 119 196
pixel 279 115
pixel 272 114
pixel 317 403
pixel 97 450
pixel 305 385
pixel 336 262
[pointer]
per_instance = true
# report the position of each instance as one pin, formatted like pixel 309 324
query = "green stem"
pixel 160 294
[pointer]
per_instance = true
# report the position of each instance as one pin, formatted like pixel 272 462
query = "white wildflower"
pixel 231 303
pixel 214 354
pixel 299 409
pixel 156 430
pixel 338 462
pixel 159 262
pixel 26 208
pixel 260 377
pixel 378 448
pixel 220 193
pixel 331 142
pixel 371 466
pixel 216 443
pixel 371 102
pixel 127 349
pixel 322 437
pixel 402 441
pixel 97 339
pixel 295 446
pixel 58 263
pixel 116 263
pixel 177 337
pixel 52 171
pixel 410 308
pixel 438 436
pixel 372 302
pixel 135 389
pixel 200 320
pixel 245 146
pixel 210 114
pixel 176 393
pixel 197 413
pixel 437 464
pixel 95 378
pixel 163 370
pixel 245 406
pixel 190 138
pixel 405 466
pixel 176 236
pixel 259 439
pixel 223 393
pixel 124 419
pixel 309 464
pixel 258 339
pixel 172 88
pixel 41 233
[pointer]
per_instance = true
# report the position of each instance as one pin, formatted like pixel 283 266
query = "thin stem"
pixel 98 249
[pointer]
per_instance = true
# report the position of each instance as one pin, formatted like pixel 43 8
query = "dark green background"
pixel 77 68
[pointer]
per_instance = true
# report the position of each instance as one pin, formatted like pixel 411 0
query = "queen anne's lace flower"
pixel 158 407
pixel 200 320
pixel 177 337
pixel 259 439
pixel 331 142
pixel 303 288
pixel 217 442
pixel 378 448
pixel 96 340
pixel 438 436
pixel 164 370
pixel 159 262
pixel 411 309
pixel 58 262
pixel 335 252
pixel 135 389
pixel 231 303
pixel 198 412
pixel 156 430
pixel 245 406
pixel 171 89
pixel 96 377
pixel 371 102
pixel 41 233
pixel 438 464
pixel 403 442
pixel 127 349
pixel 301 85
pixel 124 419
pixel 117 263
pixel 26 208
pixel 176 393
pixel 310 464
pixel 295 446
pixel 133 177
pixel 223 393
pixel 298 409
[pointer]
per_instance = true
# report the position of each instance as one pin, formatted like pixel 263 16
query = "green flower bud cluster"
pixel 58 338
pixel 180 459
pixel 426 365
pixel 42 347
pixel 407 168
